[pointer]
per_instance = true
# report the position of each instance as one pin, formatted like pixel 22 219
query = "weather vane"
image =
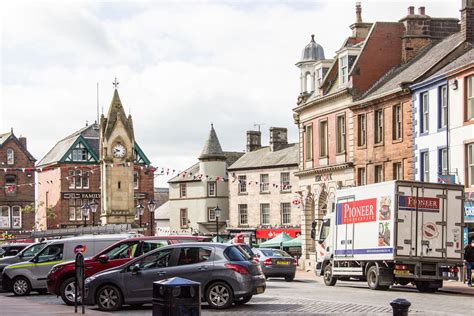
pixel 115 83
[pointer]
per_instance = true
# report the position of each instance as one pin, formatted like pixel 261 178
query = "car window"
pixel 192 255
pixel 123 251
pixel 236 253
pixel 50 253
pixel 275 253
pixel 150 245
pixel 160 259
pixel 33 250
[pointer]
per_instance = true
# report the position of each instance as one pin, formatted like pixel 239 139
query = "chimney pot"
pixel 358 12
pixel 411 10
pixel 421 10
pixel 254 140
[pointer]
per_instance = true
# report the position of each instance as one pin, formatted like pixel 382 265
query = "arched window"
pixel 4 216
pixel 78 176
pixel 308 82
pixel 10 156
pixel 16 216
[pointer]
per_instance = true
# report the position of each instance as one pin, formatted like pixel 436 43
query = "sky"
pixel 182 65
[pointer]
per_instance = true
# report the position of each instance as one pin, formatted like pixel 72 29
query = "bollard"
pixel 400 307
pixel 176 297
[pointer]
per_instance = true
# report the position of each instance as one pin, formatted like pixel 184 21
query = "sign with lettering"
pixel 323 177
pixel 361 211
pixel 81 195
pixel 140 195
pixel 423 204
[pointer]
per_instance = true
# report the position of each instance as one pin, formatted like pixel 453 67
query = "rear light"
pixel 295 262
pixel 256 260
pixel 454 270
pixel 401 267
pixel 237 268
pixel 267 262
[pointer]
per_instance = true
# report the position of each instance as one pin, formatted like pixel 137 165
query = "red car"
pixel 61 278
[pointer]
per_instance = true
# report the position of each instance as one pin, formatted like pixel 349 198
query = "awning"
pixel 276 242
pixel 295 242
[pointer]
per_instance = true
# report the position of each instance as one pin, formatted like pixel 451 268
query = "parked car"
pixel 24 255
pixel 12 249
pixel 226 272
pixel 61 280
pixel 276 263
pixel 21 278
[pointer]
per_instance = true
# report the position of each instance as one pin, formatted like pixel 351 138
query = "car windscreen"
pixel 274 253
pixel 236 253
pixel 32 250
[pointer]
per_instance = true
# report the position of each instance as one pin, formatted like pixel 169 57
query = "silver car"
pixel 276 263
pixel 226 272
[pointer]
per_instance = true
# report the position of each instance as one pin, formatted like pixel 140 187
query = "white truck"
pixel 395 232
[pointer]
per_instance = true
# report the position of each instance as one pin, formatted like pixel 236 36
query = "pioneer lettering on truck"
pixel 356 211
pixel 423 204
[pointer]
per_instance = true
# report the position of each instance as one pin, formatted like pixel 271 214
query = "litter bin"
pixel 176 297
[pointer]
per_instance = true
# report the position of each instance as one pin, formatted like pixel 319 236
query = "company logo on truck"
pixel 361 211
pixel 410 203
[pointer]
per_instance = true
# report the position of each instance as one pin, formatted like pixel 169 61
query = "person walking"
pixel 469 260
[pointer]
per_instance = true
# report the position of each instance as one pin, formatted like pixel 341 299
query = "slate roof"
pixel 6 136
pixel 212 148
pixel 462 61
pixel 163 211
pixel 265 158
pixel 408 72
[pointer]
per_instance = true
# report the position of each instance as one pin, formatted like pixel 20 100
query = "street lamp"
pixel 151 208
pixel 85 211
pixel 93 206
pixel 217 213
pixel 140 209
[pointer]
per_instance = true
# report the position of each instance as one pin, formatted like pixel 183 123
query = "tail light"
pixel 454 270
pixel 401 267
pixel 267 262
pixel 256 260
pixel 237 268
pixel 295 262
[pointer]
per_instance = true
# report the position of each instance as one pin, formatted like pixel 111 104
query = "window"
pixel 32 250
pixel 211 214
pixel 4 217
pixel 75 210
pixel 424 113
pixel 361 176
pixel 344 70
pixel 443 161
pixel 323 137
pixel 242 184
pixel 308 81
pixel 50 253
pixel 243 216
pixel 341 135
pixel 150 245
pixel 378 133
pixel 309 142
pixel 157 260
pixel 285 213
pixel 10 156
pixel 78 179
pixel 470 165
pixel 425 167
pixel 16 217
pixel 319 77
pixel 397 171
pixel 72 179
pixel 362 130
pixel 136 178
pixel 182 190
pixel 236 253
pixel 264 183
pixel 378 174
pixel 265 214
pixel 10 184
pixel 123 251
pixel 211 189
pixel 285 181
pixel 397 122
pixel 79 154
pixel 470 98
pixel 443 107
pixel 193 255
pixel 183 215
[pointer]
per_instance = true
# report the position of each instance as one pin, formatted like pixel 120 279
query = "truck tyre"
pixel 329 279
pixel 373 279
pixel 424 287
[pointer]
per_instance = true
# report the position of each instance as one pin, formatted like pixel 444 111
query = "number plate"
pixel 259 290
pixel 285 263
pixel 401 272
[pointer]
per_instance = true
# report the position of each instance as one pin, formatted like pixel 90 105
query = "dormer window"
pixel 344 70
pixel 10 156
pixel 79 154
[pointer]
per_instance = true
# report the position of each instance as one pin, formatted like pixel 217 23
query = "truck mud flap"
pixel 385 276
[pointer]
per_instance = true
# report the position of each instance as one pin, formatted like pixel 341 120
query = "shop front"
pixel 468 217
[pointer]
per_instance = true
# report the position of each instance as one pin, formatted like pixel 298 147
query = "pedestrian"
pixel 469 260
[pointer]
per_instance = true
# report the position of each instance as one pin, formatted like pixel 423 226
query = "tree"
pixel 31 208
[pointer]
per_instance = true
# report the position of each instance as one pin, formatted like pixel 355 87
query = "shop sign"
pixel 469 213
pixel 139 196
pixel 323 177
pixel 272 233
pixel 81 195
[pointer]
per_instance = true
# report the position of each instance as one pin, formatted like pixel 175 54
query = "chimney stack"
pixel 254 140
pixel 358 12
pixel 22 141
pixel 467 20
pixel 421 10
pixel 411 10
pixel 278 138
pixel 359 28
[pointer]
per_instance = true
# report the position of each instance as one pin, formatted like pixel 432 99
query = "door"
pixel 195 263
pixel 44 261
pixel 344 228
pixel 116 256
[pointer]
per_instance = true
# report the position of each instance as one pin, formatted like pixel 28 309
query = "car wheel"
pixel 68 292
pixel 329 279
pixel 289 278
pixel 373 279
pixel 243 300
pixel 21 286
pixel 219 295
pixel 109 298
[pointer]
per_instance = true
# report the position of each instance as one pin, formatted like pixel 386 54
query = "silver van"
pixel 21 278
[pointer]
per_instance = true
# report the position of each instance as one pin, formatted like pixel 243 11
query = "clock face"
pixel 119 151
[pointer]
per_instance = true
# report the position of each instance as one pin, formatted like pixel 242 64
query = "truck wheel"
pixel 21 286
pixel 424 287
pixel 373 279
pixel 329 279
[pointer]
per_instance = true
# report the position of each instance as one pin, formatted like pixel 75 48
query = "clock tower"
pixel 116 164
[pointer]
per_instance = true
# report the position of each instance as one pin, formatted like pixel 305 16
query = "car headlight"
pixel 55 269
pixel 89 279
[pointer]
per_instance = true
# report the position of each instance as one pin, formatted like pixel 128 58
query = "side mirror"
pixel 257 255
pixel 136 268
pixel 313 233
pixel 103 259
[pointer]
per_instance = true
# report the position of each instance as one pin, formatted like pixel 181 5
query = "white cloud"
pixel 182 65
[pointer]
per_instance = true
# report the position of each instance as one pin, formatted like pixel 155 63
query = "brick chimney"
pixel 359 28
pixel 278 138
pixel 467 20
pixel 421 30
pixel 22 141
pixel 254 140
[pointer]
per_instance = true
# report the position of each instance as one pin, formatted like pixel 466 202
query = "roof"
pixel 116 112
pixel 313 51
pixel 414 68
pixel 212 148
pixel 265 158
pixel 163 212
pixel 192 172
pixel 6 136
pixel 460 62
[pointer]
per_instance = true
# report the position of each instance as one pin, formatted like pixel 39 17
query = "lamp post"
pixel 93 206
pixel 217 213
pixel 151 208
pixel 139 208
pixel 85 211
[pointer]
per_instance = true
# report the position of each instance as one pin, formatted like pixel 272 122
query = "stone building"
pixel 73 172
pixel 17 185
pixel 197 191
pixel 262 188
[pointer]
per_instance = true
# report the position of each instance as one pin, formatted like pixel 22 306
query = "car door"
pixel 113 257
pixel 44 261
pixel 195 263
pixel 140 275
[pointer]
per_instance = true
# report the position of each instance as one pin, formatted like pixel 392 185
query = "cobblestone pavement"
pixel 307 295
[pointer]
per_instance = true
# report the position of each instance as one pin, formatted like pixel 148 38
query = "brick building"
pixel 262 188
pixel 69 176
pixel 17 185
